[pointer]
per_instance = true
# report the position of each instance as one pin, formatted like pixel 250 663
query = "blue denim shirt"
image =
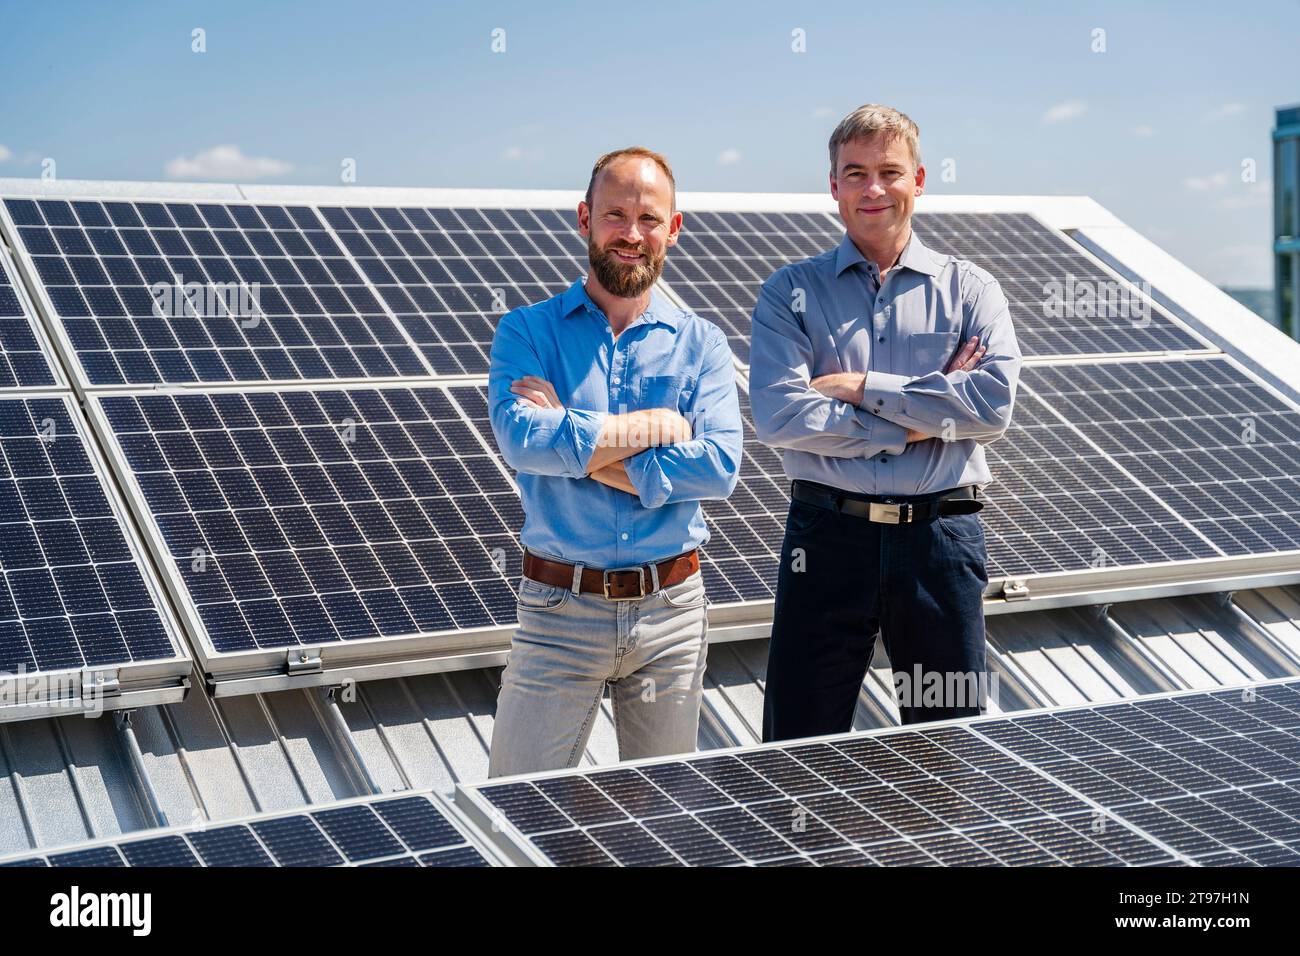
pixel 666 358
pixel 830 314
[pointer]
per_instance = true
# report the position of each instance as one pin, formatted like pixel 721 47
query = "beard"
pixel 627 281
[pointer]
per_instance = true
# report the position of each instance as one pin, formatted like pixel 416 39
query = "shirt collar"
pixel 916 256
pixel 575 299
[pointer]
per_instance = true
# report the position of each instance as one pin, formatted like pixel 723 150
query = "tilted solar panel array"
pixel 82 623
pixel 129 284
pixel 1199 779
pixel 72 590
pixel 1062 301
pixel 319 515
pixel 1201 436
pixel 722 258
pixel 407 830
pixel 277 539
pixel 450 274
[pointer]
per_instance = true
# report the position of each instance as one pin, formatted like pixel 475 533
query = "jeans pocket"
pixel 962 527
pixel 535 596
pixel 804 518
pixel 686 594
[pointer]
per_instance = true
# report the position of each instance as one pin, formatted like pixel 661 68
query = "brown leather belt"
pixel 617 584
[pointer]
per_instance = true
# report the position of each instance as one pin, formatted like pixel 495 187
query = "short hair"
pixel 642 151
pixel 866 121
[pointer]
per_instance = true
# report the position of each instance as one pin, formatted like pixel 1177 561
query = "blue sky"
pixel 1156 127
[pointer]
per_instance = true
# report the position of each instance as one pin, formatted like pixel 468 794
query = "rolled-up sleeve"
pixel 537 441
pixel 958 405
pixel 788 411
pixel 708 465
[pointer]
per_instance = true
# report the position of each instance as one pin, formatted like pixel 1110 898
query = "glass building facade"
pixel 1286 219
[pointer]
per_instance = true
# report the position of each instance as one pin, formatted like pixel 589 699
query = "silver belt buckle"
pixel 604 580
pixel 889 513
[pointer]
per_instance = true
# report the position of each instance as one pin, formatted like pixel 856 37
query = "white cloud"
pixel 225 163
pixel 1070 109
pixel 518 154
pixel 6 153
pixel 1226 110
pixel 1144 131
pixel 1200 184
pixel 729 157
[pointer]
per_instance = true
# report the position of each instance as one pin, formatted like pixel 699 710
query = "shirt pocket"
pixel 667 391
pixel 931 351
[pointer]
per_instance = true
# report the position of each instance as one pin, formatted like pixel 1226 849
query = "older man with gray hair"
pixel 880 368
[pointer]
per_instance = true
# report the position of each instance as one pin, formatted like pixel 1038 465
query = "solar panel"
pixel 1063 302
pixel 154 292
pixel 73 594
pixel 1199 779
pixel 1057 504
pixel 400 830
pixel 450 274
pixel 310 516
pixel 1201 436
pixel 722 258
pixel 24 358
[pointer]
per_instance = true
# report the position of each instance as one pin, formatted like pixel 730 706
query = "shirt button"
pixel 883 459
pixel 615 379
pixel 881 339
pixel 623 535
pixel 880 401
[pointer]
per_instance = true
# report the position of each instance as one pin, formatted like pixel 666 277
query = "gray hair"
pixel 866 121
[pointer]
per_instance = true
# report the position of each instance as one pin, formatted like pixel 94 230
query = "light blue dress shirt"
pixel 666 358
pixel 830 314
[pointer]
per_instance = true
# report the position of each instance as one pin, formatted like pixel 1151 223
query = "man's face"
pixel 629 226
pixel 876 187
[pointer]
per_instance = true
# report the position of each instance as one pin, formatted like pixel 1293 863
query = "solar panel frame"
pixel 406 828
pixel 299 664
pixel 16 304
pixel 888 790
pixel 109 684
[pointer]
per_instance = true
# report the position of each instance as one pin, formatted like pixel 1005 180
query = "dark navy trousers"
pixel 842 579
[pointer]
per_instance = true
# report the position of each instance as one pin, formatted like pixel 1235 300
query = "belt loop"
pixel 576 587
pixel 654 577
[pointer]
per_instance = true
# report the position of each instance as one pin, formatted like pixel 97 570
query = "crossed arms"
pixel 861 414
pixel 656 454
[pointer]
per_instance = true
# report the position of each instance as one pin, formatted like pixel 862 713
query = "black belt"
pixel 888 509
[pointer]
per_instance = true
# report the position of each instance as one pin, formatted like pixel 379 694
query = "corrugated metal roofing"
pixel 68 779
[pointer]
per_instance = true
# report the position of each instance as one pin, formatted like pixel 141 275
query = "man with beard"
pixel 619 412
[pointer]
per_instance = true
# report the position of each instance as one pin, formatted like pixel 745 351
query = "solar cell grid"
pixel 722 258
pixel 24 360
pixel 1200 435
pixel 403 830
pixel 71 591
pixel 311 516
pixel 450 274
pixel 942 797
pixel 148 292
pixel 1076 316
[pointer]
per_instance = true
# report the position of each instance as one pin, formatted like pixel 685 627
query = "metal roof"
pixel 69 779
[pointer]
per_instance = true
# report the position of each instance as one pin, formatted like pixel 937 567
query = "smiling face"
pixel 876 186
pixel 629 226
